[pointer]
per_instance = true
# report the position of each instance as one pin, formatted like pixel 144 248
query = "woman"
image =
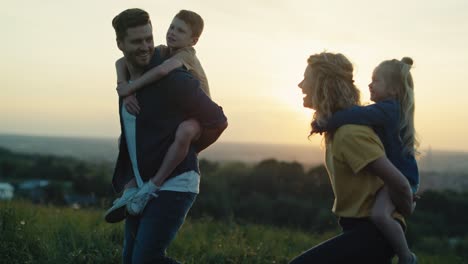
pixel 357 167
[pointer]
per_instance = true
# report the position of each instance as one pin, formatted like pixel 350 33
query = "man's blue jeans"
pixel 148 235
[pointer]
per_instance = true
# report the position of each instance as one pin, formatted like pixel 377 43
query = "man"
pixel 146 137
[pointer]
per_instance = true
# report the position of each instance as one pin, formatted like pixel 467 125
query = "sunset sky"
pixel 58 78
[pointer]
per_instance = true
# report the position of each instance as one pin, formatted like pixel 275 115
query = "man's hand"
pixel 124 89
pixel 131 104
pixel 142 197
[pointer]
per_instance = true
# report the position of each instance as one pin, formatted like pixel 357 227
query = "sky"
pixel 57 73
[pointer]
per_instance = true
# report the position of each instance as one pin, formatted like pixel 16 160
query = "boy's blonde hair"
pixel 193 20
pixel 397 77
pixel 332 84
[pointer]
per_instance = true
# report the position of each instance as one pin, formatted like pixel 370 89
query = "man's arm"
pixel 398 185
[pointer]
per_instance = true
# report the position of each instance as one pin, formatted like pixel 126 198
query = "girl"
pixel 392 118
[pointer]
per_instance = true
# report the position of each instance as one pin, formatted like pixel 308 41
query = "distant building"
pixel 58 192
pixel 35 190
pixel 44 191
pixel 33 184
pixel 6 191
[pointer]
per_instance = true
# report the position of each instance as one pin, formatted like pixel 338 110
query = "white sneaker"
pixel 142 197
pixel 118 212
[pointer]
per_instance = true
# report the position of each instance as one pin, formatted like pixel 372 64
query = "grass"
pixel 43 234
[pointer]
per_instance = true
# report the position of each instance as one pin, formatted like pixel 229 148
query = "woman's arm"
pixel 398 185
pixel 156 73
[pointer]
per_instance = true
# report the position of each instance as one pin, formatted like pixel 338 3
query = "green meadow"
pixel 266 212
pixel 47 234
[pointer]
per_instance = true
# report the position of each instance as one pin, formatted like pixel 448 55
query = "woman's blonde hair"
pixel 332 86
pixel 397 77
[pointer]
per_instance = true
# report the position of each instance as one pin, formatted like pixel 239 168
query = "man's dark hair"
pixel 129 18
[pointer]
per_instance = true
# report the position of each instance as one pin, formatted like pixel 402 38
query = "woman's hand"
pixel 415 199
pixel 316 128
pixel 398 186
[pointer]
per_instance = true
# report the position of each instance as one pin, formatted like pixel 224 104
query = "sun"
pixel 288 94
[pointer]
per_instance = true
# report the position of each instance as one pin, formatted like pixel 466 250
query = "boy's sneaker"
pixel 118 211
pixel 142 197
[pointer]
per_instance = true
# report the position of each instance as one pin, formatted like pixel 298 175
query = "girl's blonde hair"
pixel 332 86
pixel 397 77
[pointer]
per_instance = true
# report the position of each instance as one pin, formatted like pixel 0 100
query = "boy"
pixel 182 35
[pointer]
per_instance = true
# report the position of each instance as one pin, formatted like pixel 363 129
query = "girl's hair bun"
pixel 407 60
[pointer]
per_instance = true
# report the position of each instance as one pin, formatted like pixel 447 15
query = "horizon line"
pixel 428 149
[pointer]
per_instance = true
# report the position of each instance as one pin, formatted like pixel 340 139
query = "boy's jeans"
pixel 148 235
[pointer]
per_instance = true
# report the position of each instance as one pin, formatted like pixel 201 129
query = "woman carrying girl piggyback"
pixel 392 118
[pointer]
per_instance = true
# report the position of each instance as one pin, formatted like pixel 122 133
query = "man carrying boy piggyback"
pixel 182 35
pixel 151 138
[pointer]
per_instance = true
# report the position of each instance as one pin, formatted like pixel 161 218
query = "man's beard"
pixel 138 63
